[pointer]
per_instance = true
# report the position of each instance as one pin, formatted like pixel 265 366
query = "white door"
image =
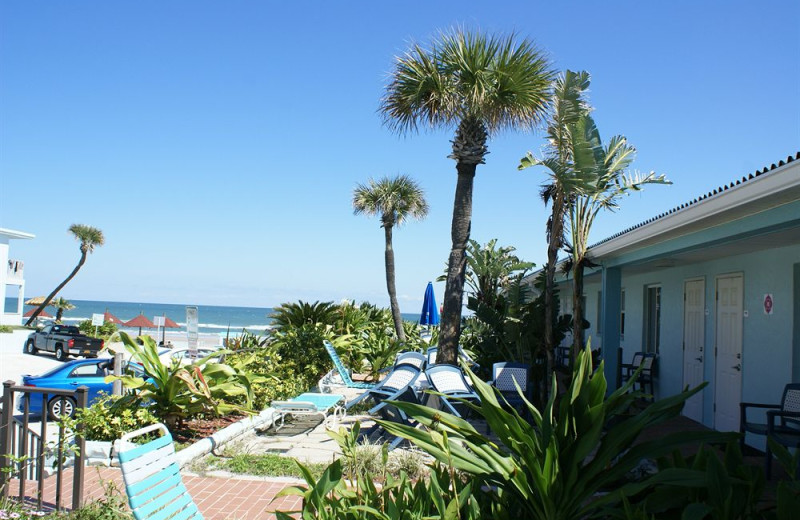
pixel 728 381
pixel 694 331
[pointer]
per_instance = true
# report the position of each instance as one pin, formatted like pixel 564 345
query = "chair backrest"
pixel 647 363
pixel 152 477
pixel 430 354
pixel 447 379
pixel 505 374
pixel 337 363
pixel 410 358
pixel 637 359
pixel 399 378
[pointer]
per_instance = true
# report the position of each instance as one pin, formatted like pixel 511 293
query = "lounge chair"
pixel 410 358
pixel 454 390
pixel 432 352
pixel 152 477
pixel 329 380
pixel 396 382
pixel 328 406
pixel 390 413
pixel 504 377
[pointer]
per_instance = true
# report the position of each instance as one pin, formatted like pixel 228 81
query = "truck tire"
pixel 30 348
pixel 60 354
pixel 55 408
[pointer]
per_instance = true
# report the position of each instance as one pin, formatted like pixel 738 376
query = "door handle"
pixel 737 367
pixel 74 384
pixel 700 359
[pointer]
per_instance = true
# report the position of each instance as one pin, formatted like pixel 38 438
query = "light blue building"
pixel 712 287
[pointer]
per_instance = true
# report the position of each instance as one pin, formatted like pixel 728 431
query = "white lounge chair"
pixel 329 406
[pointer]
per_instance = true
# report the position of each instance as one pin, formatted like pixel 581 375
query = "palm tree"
pixel 478 84
pixel 89 237
pixel 609 165
pixel 395 200
pixel 568 175
pixel 61 305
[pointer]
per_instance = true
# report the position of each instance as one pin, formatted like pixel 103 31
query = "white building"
pixel 12 279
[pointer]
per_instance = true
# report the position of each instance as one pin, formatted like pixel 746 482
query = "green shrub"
pixel 104 331
pixel 6 329
pixel 180 392
pixel 571 462
pixel 103 421
pixel 278 380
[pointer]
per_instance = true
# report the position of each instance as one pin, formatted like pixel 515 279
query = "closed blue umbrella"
pixel 430 314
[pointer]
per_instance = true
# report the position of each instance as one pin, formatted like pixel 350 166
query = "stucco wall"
pixel 767 351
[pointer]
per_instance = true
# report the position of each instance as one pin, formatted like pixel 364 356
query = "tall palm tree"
pixel 567 175
pixel 395 200
pixel 609 165
pixel 61 305
pixel 89 237
pixel 477 84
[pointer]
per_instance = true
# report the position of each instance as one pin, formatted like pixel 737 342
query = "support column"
pixel 612 289
pixel 796 325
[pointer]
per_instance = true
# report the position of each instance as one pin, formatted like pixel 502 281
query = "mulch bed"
pixel 196 429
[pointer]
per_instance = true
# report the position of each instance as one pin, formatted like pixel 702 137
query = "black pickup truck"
pixel 63 340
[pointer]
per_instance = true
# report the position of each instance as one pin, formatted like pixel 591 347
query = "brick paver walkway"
pixel 216 498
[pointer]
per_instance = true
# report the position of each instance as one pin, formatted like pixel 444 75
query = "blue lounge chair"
pixel 152 478
pixel 329 406
pixel 432 352
pixel 504 375
pixel 327 381
pixel 397 381
pixel 448 381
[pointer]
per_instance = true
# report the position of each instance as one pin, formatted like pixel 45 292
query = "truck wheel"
pixel 30 348
pixel 57 408
pixel 60 354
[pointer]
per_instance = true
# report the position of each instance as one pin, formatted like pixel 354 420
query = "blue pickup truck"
pixel 63 341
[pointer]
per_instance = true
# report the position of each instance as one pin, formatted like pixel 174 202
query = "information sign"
pixel 191 331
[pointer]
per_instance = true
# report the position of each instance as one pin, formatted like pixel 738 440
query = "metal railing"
pixel 24 453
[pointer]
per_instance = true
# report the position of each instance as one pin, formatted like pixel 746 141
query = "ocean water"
pixel 212 318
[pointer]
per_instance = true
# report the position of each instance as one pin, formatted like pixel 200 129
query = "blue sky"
pixel 217 144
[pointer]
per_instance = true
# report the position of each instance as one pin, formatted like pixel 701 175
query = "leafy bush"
pixel 443 494
pixel 104 331
pixel 277 380
pixel 570 463
pixel 180 392
pixel 103 421
pixel 6 329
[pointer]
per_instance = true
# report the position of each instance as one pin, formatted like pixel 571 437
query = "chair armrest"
pixel 772 414
pixel 743 411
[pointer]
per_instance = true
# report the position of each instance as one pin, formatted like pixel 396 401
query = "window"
pixel 92 370
pixel 652 318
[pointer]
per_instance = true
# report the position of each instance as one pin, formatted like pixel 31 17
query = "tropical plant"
pixel 61 305
pixel 566 178
pixel 177 392
pixel 395 200
pixel 442 494
pixel 103 421
pixel 608 165
pixel 300 313
pixel 104 331
pixel 89 237
pixel 478 84
pixel 571 462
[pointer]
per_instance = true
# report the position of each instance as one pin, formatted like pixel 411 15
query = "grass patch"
pixel 263 465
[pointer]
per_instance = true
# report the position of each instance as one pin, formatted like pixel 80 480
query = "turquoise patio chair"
pixel 152 477
pixel 344 374
pixel 328 406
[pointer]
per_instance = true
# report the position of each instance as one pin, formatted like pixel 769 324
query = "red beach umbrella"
pixel 169 324
pixel 42 314
pixel 108 317
pixel 140 321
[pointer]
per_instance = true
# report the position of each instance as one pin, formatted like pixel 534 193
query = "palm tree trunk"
pixel 553 246
pixel 578 311
pixel 450 325
pixel 389 258
pixel 52 295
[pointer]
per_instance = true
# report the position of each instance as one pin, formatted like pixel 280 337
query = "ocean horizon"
pixel 214 319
